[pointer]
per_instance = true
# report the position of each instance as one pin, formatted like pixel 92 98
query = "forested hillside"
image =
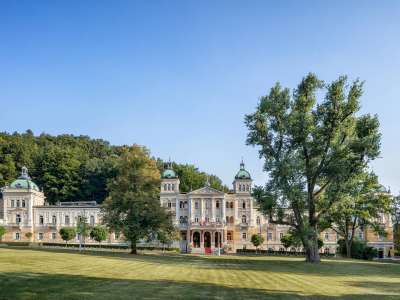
pixel 75 168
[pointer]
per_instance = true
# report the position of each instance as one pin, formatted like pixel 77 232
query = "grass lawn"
pixel 51 274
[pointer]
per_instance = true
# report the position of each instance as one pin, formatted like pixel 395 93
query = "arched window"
pixel 169 186
pixel 244 219
pixel 258 220
pixel 23 203
pixel 180 204
pixel 66 220
pixel 244 204
pixel 217 204
pixel 18 219
pixel 227 219
pixel 54 220
pixel 41 220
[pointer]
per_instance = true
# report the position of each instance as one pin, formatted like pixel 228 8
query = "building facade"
pixel 207 218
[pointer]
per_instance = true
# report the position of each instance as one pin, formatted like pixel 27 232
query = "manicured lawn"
pixel 51 274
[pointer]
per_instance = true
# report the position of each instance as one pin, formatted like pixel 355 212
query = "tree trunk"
pixel 348 249
pixel 133 247
pixel 312 253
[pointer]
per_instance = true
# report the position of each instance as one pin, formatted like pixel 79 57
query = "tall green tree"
pixel 307 146
pixel 361 205
pixel 133 205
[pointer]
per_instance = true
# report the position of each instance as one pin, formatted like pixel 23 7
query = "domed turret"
pixel 242 174
pixel 24 181
pixel 242 182
pixel 169 180
pixel 169 173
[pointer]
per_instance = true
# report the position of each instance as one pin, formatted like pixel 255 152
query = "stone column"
pixel 213 214
pixel 223 210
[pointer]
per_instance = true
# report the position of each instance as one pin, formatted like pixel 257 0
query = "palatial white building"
pixel 207 218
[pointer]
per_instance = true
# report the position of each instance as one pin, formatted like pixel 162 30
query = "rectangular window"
pixel 280 235
pixel 217 219
pixel 40 236
pixel 12 203
pixel 53 235
pixel 244 235
pixel 196 220
pixel 23 203
pixel 17 236
pixel 269 236
pixel 91 220
pixel 196 205
pixel 41 220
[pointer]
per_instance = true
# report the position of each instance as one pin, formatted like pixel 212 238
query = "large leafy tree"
pixel 308 145
pixel 133 205
pixel 362 202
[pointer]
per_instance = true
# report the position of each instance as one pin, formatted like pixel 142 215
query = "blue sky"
pixel 179 76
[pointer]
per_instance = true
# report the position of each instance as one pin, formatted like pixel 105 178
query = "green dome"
pixel 169 173
pixel 24 181
pixel 242 174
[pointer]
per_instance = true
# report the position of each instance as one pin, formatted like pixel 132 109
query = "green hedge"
pixel 105 246
pixel 272 252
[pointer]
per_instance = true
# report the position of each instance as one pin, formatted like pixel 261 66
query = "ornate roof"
pixel 243 173
pixel 24 181
pixel 169 172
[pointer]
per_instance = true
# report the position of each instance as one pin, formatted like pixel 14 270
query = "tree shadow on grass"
pixel 29 286
pixel 328 268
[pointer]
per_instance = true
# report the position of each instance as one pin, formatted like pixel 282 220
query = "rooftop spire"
pixel 242 164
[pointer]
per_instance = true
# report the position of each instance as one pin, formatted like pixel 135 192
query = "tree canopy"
pixel 309 144
pixel 133 205
pixel 75 168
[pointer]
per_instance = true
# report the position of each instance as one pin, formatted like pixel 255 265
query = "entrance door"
pixel 207 242
pixel 380 253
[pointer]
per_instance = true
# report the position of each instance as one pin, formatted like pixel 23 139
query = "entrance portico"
pixel 205 240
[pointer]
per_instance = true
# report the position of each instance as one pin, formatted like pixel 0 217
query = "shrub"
pixel 359 250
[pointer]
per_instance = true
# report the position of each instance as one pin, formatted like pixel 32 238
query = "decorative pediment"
pixel 206 190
